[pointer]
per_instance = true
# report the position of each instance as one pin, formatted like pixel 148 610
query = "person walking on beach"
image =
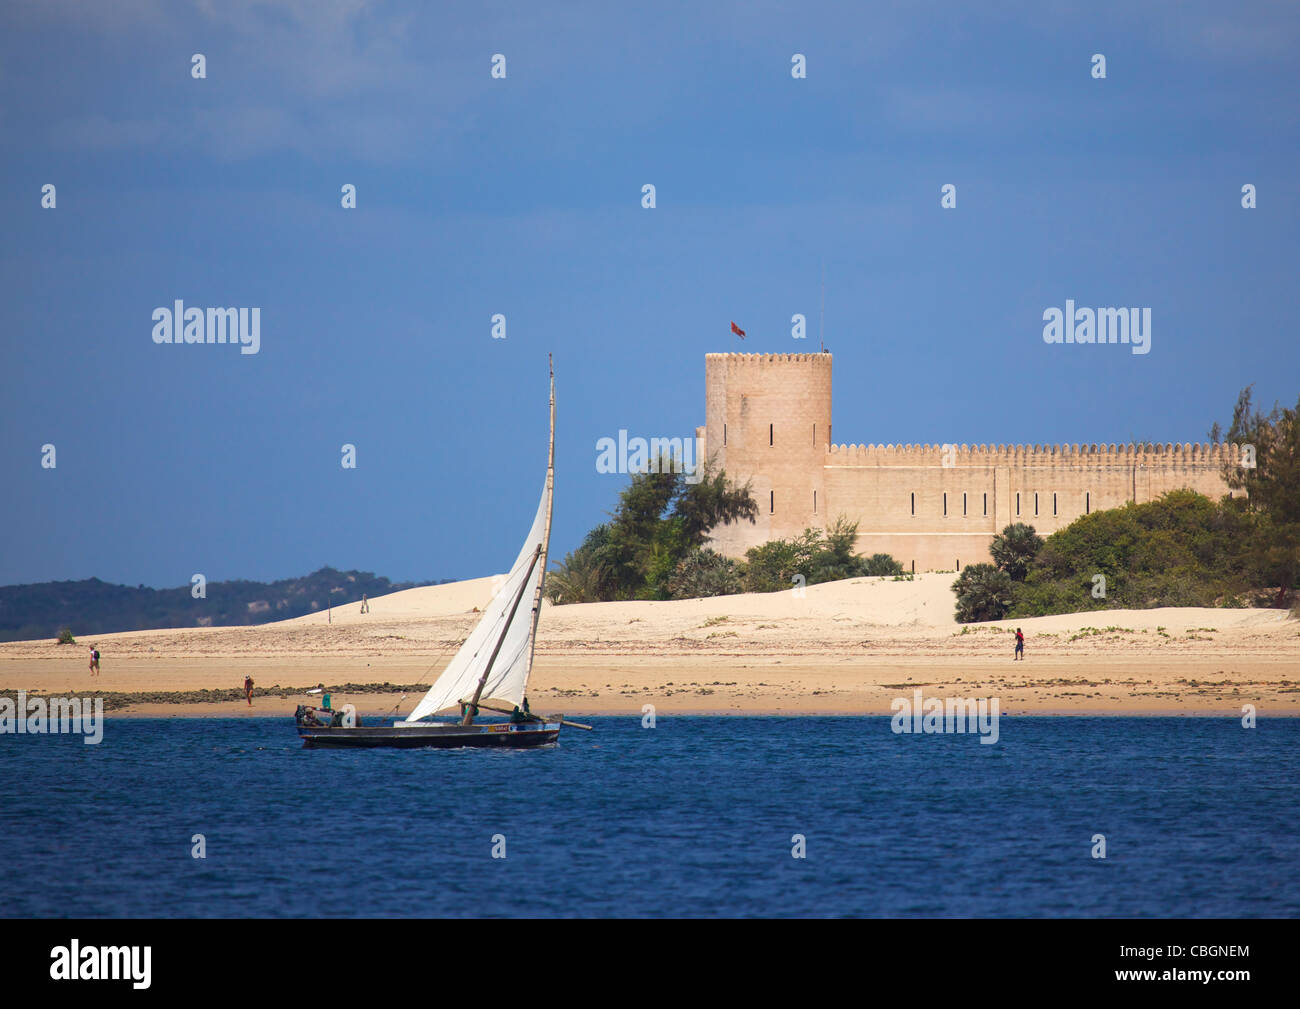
pixel 248 689
pixel 1020 644
pixel 365 605
pixel 94 661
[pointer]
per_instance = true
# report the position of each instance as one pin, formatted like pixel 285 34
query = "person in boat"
pixel 519 716
pixel 325 698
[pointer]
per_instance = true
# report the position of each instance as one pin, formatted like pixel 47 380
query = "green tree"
pixel 711 502
pixel 983 593
pixel 583 576
pixel 1272 485
pixel 660 518
pixel 1015 548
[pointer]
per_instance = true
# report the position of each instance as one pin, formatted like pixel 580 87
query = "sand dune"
pixel 427 601
pixel 839 647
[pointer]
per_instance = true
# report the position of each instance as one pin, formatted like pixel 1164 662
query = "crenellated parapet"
pixel 1072 456
pixel 769 358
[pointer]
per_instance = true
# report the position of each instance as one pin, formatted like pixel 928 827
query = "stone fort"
pixel 932 507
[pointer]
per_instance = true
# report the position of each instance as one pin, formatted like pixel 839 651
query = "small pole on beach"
pixel 329 610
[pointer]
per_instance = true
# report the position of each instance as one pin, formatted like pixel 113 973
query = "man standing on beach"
pixel 248 689
pixel 94 661
pixel 1020 644
pixel 365 605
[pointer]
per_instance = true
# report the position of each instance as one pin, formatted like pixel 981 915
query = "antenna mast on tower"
pixel 821 326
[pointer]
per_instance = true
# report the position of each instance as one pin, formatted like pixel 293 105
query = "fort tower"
pixel 768 421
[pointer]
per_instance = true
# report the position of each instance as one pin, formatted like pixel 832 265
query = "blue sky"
pixel 522 196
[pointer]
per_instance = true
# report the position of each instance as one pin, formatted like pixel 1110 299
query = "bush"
pixel 773 566
pixel 66 638
pixel 816 555
pixel 983 593
pixel 704 573
pixel 1179 550
pixel 832 556
pixel 881 565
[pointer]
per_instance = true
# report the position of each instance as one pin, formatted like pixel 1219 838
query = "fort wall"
pixel 768 422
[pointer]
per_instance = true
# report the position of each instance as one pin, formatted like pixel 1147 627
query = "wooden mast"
pixel 519 598
pixel 546 535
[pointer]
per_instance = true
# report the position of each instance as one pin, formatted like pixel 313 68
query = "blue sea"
pixel 695 817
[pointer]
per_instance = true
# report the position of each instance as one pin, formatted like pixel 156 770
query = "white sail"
pixel 503 640
pixel 509 673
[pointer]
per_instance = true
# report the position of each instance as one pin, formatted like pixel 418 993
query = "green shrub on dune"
pixel 705 573
pixel 1182 549
pixel 881 566
pixel 1179 550
pixel 815 555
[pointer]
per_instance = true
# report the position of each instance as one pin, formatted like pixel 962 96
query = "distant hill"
pixel 92 606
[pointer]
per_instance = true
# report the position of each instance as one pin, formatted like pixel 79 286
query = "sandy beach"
pixel 842 648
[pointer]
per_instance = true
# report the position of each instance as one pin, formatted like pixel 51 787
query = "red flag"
pixel 738 331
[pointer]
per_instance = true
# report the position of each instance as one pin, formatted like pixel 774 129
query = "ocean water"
pixel 692 818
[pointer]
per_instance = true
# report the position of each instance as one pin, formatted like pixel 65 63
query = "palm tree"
pixel 1014 549
pixel 983 593
pixel 580 578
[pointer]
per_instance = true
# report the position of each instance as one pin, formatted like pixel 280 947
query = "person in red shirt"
pixel 1020 644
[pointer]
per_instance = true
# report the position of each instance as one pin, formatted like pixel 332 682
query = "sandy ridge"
pixel 842 647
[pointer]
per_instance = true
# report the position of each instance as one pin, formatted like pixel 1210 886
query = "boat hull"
pixel 495 735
